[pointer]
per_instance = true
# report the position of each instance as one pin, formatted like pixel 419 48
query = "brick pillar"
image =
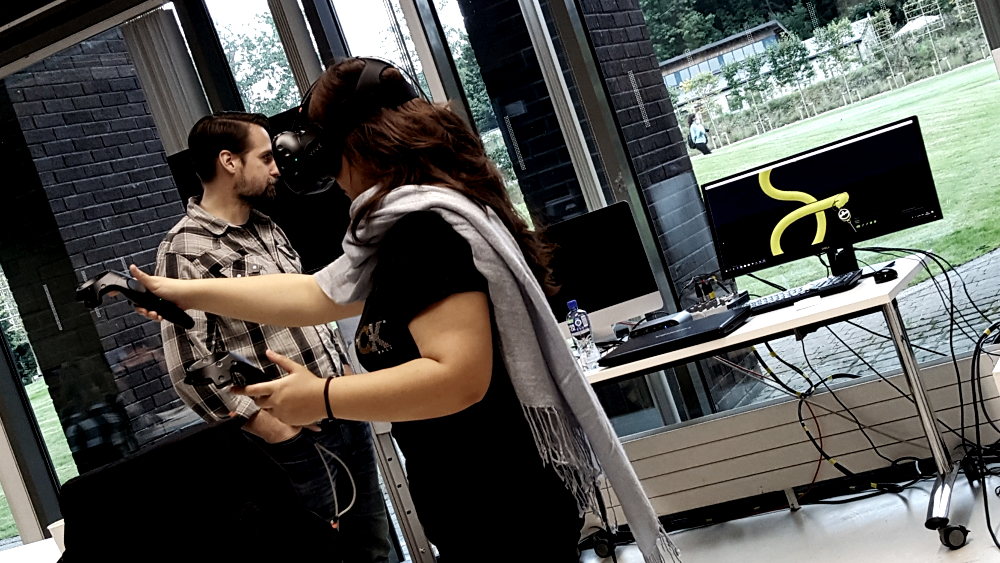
pixel 654 140
pixel 524 111
pixel 111 198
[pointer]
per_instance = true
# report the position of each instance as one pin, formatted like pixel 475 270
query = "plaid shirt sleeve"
pixel 181 347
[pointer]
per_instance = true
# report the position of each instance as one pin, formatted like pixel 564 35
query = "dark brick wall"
pixel 655 142
pixel 514 81
pixel 109 190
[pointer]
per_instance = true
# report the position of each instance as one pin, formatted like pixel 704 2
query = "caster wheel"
pixel 603 547
pixel 953 537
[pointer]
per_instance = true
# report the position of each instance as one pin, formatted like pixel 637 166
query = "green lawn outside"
pixel 959 115
pixel 7 527
pixel 55 441
pixel 52 432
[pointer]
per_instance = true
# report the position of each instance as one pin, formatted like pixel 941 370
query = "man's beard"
pixel 255 197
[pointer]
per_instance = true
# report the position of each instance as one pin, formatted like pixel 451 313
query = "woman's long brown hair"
pixel 422 143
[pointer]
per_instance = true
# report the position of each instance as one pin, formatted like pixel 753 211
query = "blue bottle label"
pixel 580 324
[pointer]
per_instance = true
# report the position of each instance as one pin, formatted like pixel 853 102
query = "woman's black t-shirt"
pixel 476 474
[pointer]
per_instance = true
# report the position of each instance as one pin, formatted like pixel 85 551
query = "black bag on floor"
pixel 208 494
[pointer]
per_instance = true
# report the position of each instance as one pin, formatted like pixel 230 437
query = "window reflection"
pixel 96 194
pixel 479 100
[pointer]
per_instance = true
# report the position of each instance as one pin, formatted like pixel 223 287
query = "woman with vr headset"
pixel 464 357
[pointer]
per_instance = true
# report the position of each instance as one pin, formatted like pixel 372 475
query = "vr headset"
pixel 309 156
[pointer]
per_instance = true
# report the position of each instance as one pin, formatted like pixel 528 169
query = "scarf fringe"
pixel 563 445
pixel 666 551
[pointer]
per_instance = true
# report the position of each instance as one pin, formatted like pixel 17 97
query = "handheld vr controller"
pixel 92 291
pixel 224 368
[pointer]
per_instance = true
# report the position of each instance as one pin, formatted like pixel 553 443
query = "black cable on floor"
pixel 869 495
pixel 975 376
pixel 950 307
pixel 861 427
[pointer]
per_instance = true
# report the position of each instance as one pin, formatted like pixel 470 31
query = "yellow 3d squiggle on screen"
pixel 824 200
pixel 811 206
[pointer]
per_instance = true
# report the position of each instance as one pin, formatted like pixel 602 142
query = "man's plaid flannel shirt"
pixel 204 246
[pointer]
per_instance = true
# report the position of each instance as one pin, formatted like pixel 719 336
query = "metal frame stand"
pixel 399 492
pixel 947 470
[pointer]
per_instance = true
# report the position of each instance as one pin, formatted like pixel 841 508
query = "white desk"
pixel 44 551
pixel 867 297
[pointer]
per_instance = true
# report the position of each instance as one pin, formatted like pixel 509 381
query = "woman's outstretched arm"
pixel 455 340
pixel 275 299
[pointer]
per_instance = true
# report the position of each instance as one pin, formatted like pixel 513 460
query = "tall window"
pixel 379 29
pixel 479 99
pixel 95 193
pixel 252 47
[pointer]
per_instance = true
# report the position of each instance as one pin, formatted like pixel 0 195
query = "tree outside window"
pixel 260 66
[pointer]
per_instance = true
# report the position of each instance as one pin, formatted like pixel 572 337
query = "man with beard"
pixel 222 235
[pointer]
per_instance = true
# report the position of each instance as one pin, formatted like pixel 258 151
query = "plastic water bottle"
pixel 579 327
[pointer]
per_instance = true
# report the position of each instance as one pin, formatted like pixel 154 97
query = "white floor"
pixel 886 529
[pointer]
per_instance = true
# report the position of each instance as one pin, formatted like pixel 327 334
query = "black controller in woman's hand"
pixel 92 291
pixel 224 368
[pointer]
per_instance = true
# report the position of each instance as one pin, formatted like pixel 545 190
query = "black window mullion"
pixel 209 58
pixel 326 30
pixel 443 60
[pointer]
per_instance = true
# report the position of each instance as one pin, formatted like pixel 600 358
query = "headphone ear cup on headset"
pixel 306 161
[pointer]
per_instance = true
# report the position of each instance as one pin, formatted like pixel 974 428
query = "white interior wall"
pixel 729 457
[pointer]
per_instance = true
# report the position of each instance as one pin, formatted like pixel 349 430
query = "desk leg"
pixel 937 511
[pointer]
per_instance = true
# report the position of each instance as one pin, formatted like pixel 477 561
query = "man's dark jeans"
pixel 364 529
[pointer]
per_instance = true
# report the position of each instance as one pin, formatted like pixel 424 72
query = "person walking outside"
pixel 697 134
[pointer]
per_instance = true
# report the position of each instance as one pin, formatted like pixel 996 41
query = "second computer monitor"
pixel 599 261
pixel 855 189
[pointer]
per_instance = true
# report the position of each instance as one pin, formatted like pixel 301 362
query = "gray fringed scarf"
pixel 570 428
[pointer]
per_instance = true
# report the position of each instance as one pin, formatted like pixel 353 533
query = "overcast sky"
pixel 365 22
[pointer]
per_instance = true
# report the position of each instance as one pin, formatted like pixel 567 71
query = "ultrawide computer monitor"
pixel 822 200
pixel 599 261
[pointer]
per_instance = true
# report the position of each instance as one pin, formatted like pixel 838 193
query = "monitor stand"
pixel 842 260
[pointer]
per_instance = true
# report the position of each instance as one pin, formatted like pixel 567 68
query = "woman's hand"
pixel 295 399
pixel 165 288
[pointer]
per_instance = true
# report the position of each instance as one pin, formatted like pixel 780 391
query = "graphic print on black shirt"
pixel 368 340
pixel 422 261
pixel 462 468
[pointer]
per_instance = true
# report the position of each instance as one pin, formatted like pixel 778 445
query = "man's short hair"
pixel 225 131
